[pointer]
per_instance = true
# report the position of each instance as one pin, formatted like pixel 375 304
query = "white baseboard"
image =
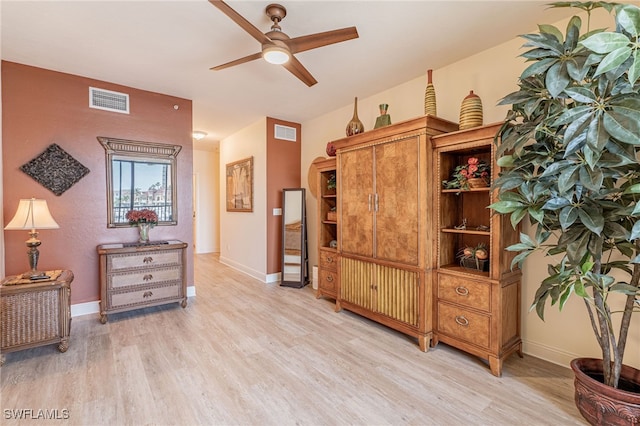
pixel 260 276
pixel 273 278
pixel 90 308
pixel 548 353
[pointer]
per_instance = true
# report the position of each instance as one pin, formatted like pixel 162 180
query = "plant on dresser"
pixel 135 275
pixel 328 282
pixel 384 224
pixel 477 295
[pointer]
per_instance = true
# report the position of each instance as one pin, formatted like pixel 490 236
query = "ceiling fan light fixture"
pixel 275 54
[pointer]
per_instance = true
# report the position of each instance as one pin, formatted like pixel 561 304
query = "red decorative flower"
pixel 142 216
pixel 474 168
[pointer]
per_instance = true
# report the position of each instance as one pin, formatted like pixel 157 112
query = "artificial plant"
pixel 569 156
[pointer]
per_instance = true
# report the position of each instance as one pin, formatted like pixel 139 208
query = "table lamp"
pixel 32 214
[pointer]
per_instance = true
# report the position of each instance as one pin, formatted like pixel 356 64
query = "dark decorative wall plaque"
pixel 55 169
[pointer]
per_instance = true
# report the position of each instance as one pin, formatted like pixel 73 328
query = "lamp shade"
pixel 32 214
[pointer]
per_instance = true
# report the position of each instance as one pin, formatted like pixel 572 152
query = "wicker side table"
pixel 35 313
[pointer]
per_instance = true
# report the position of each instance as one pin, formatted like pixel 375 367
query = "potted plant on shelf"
pixel 331 184
pixel 474 174
pixel 569 151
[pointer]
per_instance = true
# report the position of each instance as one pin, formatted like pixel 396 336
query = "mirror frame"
pixel 151 152
pixel 304 260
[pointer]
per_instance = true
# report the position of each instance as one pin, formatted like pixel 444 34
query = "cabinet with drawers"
pixel 328 282
pixel 477 299
pixel 134 276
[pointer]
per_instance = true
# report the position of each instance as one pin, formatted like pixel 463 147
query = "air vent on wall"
pixel 108 100
pixel 285 133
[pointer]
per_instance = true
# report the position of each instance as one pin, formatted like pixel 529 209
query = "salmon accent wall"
pixel 283 171
pixel 41 107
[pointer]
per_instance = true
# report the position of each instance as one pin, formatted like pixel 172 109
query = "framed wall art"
pixel 240 186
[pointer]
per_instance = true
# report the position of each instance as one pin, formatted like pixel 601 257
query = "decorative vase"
pixel 384 119
pixel 331 149
pixel 143 229
pixel 471 111
pixel 430 96
pixel 600 404
pixel 355 126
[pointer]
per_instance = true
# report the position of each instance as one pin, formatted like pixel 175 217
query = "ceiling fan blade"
pixel 238 61
pixel 312 41
pixel 239 19
pixel 296 68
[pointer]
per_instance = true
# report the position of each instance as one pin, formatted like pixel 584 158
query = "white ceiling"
pixel 169 46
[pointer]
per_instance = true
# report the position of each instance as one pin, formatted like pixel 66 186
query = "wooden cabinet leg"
pixel 424 343
pixel 496 366
pixel 338 308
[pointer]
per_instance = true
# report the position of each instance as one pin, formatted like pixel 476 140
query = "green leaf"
pixel 591 179
pixel 538 67
pixel 519 259
pixel 536 214
pixel 568 216
pixel 565 297
pixel 556 203
pixel 568 179
pixel 597 136
pixel 633 189
pixel 627 289
pixel 634 69
pixel 592 220
pixel 572 114
pixel 517 216
pixel 613 60
pixel 505 161
pixel 557 79
pixel 635 232
pixel 581 94
pixel 605 42
pixel 629 18
pixel 506 206
pixel 550 29
pixel 616 125
pixel 580 291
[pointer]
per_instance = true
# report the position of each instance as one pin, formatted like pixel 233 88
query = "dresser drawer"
pixel 146 277
pixel 465 292
pixel 144 296
pixel 328 280
pixel 328 260
pixel 117 262
pixel 463 324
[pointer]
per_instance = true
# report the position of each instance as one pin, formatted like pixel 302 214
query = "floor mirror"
pixel 295 261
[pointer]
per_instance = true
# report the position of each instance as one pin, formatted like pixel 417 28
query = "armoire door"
pixel 397 200
pixel 357 202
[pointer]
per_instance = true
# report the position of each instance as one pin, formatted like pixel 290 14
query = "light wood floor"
pixel 248 353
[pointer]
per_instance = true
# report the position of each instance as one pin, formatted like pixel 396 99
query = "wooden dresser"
pixel 134 276
pixel 36 313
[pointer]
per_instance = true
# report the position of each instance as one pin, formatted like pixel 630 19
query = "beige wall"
pixel 491 74
pixel 206 175
pixel 243 235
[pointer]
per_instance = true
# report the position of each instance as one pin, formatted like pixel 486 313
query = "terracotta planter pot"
pixel 604 405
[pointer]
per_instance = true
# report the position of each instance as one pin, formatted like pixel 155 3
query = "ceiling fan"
pixel 279 48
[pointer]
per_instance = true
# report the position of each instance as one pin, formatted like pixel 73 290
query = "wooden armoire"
pixel 385 201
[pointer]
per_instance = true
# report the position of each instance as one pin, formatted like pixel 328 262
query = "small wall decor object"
pixel 384 119
pixel 55 169
pixel 240 186
pixel 331 149
pixel 355 126
pixel 430 96
pixel 471 111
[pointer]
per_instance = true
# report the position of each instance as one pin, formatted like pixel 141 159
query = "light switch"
pixel 277 212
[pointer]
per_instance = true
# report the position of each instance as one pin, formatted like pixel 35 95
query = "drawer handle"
pixel 329 278
pixel 462 291
pixel 461 320
pixel 147 259
pixel 147 294
pixel 147 277
pixel 329 259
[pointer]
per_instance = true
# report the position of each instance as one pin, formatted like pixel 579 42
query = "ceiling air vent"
pixel 108 100
pixel 285 133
